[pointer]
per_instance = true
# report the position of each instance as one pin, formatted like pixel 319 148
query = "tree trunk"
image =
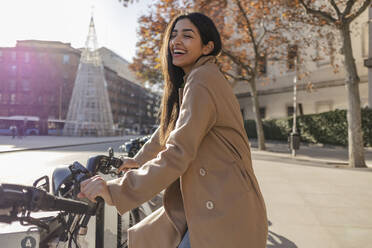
pixel 257 116
pixel 355 137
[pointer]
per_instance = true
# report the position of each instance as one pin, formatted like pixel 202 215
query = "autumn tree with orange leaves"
pixel 146 63
pixel 252 34
pixel 332 20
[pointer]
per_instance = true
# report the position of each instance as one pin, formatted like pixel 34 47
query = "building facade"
pixel 37 79
pixel 323 90
pixel 134 108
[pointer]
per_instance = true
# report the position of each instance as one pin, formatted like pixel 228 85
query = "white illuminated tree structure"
pixel 89 112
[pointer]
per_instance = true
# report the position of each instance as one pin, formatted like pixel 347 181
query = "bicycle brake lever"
pixel 83 229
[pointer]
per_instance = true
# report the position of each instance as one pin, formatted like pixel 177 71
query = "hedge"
pixel 326 128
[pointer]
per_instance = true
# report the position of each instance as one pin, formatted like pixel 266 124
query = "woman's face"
pixel 186 45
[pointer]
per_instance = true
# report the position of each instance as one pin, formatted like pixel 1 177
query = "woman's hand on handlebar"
pixel 94 187
pixel 128 164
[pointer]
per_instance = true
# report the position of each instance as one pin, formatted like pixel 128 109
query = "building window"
pixel 26 85
pixel 13 70
pixel 325 52
pixel 262 65
pixel 263 112
pixel 299 109
pixel 12 98
pixel 12 85
pixel 27 57
pixel 66 59
pixel 290 110
pixel 42 57
pixel 1 56
pixel 26 70
pixel 14 56
pixel 40 99
pixel 1 97
pixel 292 56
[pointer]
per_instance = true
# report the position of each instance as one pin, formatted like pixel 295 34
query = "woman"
pixel 200 154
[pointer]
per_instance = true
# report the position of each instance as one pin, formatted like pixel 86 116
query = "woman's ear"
pixel 207 49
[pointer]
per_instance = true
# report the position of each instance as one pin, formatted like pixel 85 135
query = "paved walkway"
pixel 314 206
pixel 307 206
pixel 329 155
pixel 8 144
pixel 336 156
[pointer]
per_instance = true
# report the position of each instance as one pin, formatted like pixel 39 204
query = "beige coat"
pixel 206 170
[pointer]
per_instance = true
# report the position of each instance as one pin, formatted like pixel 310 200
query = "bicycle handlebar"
pixel 18 201
pixel 33 199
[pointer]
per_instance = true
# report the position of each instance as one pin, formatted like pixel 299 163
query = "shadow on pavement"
pixel 277 241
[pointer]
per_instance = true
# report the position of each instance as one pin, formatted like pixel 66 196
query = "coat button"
pixel 202 172
pixel 210 205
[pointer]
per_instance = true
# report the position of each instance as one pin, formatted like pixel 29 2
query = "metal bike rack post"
pixel 100 226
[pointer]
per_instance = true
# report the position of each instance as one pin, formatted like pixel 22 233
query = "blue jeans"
pixel 185 243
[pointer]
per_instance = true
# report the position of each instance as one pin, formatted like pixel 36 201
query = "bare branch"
pixel 235 77
pixel 262 37
pixel 334 5
pixel 255 48
pixel 318 13
pixel 359 11
pixel 349 6
pixel 238 62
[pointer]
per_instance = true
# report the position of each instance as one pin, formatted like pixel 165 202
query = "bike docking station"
pixel 16 235
pixel 40 216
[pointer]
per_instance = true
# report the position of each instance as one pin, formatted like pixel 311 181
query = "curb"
pixel 327 163
pixel 61 146
pixel 321 162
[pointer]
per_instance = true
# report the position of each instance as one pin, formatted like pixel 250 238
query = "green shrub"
pixel 327 128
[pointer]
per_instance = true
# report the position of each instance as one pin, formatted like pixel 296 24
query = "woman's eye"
pixel 187 36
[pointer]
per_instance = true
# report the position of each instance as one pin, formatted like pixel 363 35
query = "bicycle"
pixel 69 226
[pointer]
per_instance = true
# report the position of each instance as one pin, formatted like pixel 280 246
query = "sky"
pixel 68 21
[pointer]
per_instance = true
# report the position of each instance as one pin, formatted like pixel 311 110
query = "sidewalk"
pixel 7 144
pixel 324 154
pixel 336 156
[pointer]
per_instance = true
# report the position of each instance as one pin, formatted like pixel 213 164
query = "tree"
pixel 256 38
pixel 147 63
pixel 126 2
pixel 325 16
pixel 252 34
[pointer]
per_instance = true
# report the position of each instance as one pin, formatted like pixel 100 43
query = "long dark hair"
pixel 173 75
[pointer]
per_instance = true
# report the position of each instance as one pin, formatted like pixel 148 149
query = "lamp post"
pixel 294 127
pixel 294 137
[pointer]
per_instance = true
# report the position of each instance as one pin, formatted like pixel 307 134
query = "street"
pixel 313 206
pixel 26 166
pixel 308 205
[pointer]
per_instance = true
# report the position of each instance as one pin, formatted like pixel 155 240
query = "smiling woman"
pixel 186 45
pixel 200 155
